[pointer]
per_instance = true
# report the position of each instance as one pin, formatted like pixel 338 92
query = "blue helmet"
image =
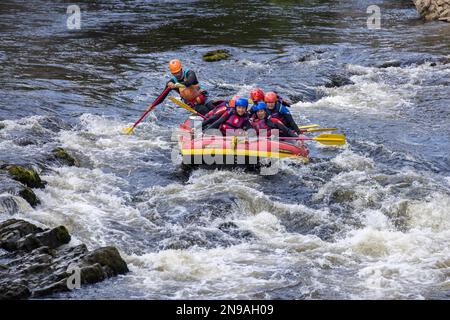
pixel 260 106
pixel 241 102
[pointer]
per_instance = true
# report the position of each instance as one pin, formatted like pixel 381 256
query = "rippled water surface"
pixel 367 220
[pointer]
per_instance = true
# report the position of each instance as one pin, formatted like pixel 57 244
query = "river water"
pixel 367 220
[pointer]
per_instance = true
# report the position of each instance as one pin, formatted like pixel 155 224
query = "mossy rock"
pixel 29 177
pixel 30 196
pixel 64 157
pixel 109 259
pixel 55 237
pixel 216 55
pixel 341 196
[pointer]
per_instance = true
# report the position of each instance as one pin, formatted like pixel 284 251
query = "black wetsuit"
pixel 188 79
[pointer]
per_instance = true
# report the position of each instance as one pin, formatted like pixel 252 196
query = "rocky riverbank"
pixel 36 262
pixel 434 9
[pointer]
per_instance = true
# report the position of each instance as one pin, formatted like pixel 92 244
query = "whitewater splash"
pixel 370 220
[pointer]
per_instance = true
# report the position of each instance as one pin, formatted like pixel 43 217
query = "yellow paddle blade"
pixel 182 104
pixel 128 130
pixel 310 126
pixel 320 129
pixel 330 139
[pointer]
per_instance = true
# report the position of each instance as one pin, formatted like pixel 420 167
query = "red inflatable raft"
pixel 219 149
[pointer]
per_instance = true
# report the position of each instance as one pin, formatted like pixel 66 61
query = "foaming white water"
pixel 104 143
pixel 89 202
pixel 98 210
pixel 378 91
pixel 10 204
pixel 237 272
pixel 398 264
pixel 351 161
pixel 31 122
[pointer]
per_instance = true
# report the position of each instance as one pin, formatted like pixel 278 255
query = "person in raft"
pixel 277 110
pixel 256 95
pixel 185 82
pixel 231 119
pixel 218 111
pixel 264 121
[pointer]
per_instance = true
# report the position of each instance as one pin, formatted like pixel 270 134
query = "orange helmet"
pixel 232 102
pixel 270 97
pixel 257 94
pixel 175 66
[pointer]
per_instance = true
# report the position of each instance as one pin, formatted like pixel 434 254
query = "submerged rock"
pixel 388 64
pixel 29 177
pixel 62 156
pixel 216 55
pixel 10 190
pixel 308 57
pixel 2 126
pixel 37 262
pixel 30 196
pixel 433 9
pixel 338 81
pixel 342 195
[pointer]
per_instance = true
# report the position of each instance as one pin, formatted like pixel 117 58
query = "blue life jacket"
pixel 278 111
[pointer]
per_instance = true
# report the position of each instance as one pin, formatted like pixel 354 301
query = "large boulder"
pixel 28 177
pixel 37 262
pixel 434 9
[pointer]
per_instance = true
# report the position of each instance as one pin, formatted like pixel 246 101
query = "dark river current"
pixel 370 219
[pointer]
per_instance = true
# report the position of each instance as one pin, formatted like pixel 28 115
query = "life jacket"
pixel 221 109
pixel 234 121
pixel 193 94
pixel 259 124
pixel 278 112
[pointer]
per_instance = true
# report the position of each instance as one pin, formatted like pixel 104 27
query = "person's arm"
pixel 163 97
pixel 216 124
pixel 214 117
pixel 290 122
pixel 277 124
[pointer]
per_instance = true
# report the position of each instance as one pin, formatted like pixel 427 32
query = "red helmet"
pixel 270 97
pixel 232 102
pixel 257 94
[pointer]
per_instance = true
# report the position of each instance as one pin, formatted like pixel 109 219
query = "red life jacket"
pixel 192 95
pixel 259 124
pixel 218 110
pixel 234 121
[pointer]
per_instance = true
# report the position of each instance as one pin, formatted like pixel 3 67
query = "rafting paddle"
pixel 158 100
pixel 326 139
pixel 318 129
pixel 185 106
pixel 310 126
